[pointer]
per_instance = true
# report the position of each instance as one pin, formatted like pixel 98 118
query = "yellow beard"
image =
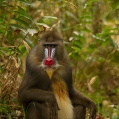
pixel 50 72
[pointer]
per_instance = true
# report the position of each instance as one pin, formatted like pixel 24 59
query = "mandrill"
pixel 46 91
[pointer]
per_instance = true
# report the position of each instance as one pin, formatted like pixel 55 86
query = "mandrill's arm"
pixel 80 99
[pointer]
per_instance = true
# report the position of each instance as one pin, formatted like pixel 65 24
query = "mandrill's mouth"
pixel 50 69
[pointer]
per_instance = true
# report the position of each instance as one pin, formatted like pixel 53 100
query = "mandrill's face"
pixel 51 48
pixel 49 51
pixel 49 62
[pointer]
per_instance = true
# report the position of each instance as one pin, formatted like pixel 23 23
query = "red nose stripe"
pixel 49 51
pixel 49 61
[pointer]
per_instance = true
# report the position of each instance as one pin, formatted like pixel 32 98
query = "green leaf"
pixel 5 49
pixel 77 43
pixel 92 46
pixel 50 17
pixel 17 26
pixel 80 38
pixel 23 13
pixel 77 49
pixel 72 15
pixel 85 17
pixel 21 10
pixel 1 31
pixel 25 2
pixel 113 43
pixel 43 24
pixel 21 21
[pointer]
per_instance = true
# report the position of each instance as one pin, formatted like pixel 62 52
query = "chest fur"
pixel 60 91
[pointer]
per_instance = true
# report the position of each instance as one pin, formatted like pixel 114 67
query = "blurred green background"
pixel 90 29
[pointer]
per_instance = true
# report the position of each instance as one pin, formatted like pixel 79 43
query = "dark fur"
pixel 35 92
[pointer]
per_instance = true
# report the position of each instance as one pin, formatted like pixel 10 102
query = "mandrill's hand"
pixel 53 106
pixel 93 111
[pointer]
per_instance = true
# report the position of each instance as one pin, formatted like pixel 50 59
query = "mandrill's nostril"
pixel 49 61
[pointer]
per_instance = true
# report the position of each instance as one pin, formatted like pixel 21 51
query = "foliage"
pixel 90 29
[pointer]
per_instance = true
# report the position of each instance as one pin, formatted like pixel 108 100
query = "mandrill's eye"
pixel 46 46
pixel 49 44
